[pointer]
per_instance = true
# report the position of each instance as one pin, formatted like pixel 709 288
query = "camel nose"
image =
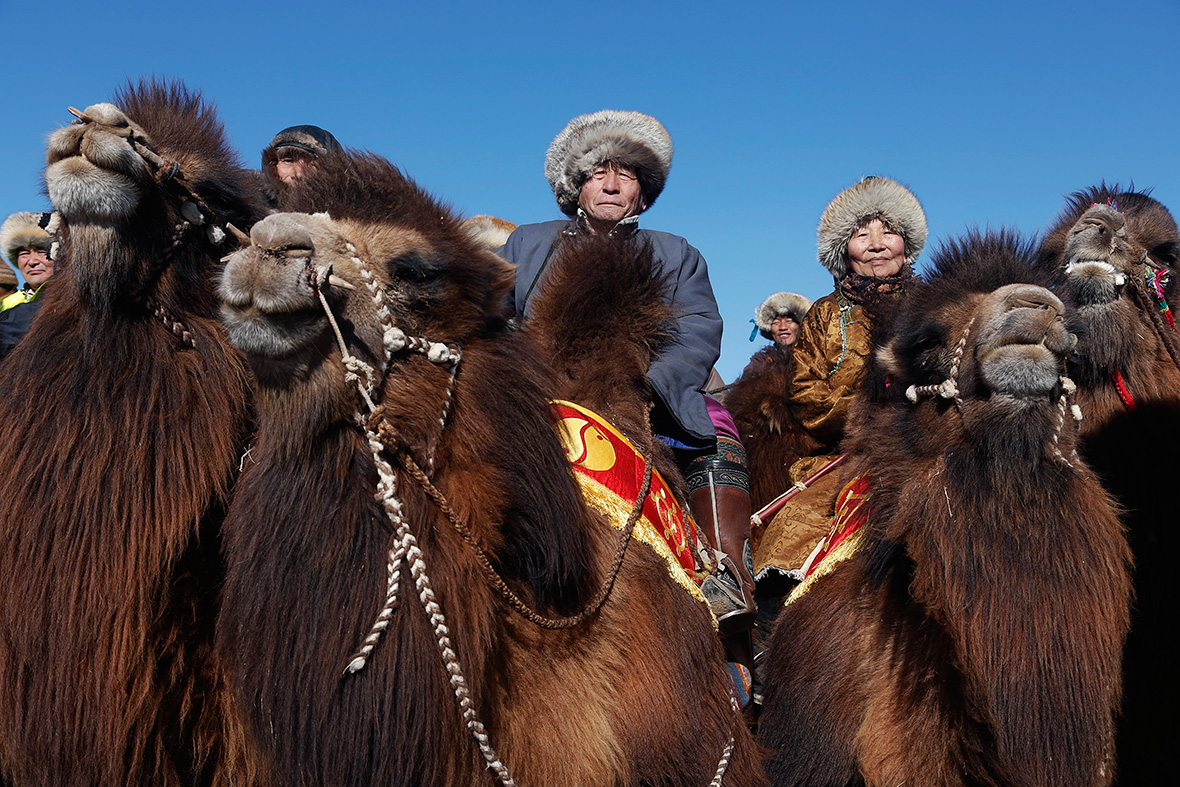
pixel 1036 316
pixel 282 231
pixel 1103 218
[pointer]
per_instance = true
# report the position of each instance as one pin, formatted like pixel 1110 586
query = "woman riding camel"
pixel 869 237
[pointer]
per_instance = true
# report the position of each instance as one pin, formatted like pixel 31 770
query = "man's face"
pixel 35 266
pixel 785 330
pixel 289 165
pixel 611 194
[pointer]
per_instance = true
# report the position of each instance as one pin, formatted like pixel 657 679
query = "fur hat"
pixel 631 139
pixel 872 198
pixel 24 230
pixel 790 304
pixel 489 232
pixel 312 139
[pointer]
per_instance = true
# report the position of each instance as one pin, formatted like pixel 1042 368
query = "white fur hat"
pixel 631 139
pixel 23 230
pixel 791 304
pixel 872 198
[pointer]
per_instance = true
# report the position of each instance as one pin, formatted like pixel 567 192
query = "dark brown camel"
pixel 467 691
pixel 1115 255
pixel 597 321
pixel 772 437
pixel 972 633
pixel 128 410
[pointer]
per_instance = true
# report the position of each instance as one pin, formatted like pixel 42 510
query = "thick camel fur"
pixel 129 411
pixel 974 635
pixel 634 695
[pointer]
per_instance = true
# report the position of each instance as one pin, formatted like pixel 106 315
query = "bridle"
pixel 382 437
pixel 194 213
pixel 949 389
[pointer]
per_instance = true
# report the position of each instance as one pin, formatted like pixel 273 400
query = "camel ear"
pixel 503 277
pixel 887 358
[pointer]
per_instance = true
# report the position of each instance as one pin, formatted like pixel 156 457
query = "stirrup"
pixel 723 590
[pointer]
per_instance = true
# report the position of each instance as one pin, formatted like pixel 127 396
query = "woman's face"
pixel 875 250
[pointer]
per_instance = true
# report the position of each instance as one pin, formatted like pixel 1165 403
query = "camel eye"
pixel 416 270
pixel 923 347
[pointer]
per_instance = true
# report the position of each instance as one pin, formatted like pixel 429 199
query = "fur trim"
pixel 23 230
pixel 781 303
pixel 873 197
pixel 631 139
pixel 489 232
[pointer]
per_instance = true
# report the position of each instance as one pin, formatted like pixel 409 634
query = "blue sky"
pixel 990 112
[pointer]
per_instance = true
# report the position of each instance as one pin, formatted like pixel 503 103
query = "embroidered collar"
pixel 582 222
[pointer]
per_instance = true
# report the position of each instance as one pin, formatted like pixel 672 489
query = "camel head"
pixel 365 266
pixel 980 336
pixel 146 187
pixel 1105 236
pixel 1114 256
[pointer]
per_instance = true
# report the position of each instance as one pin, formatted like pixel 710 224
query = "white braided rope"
pixel 1067 389
pixel 405 546
pixel 948 388
pixel 450 660
pixel 727 752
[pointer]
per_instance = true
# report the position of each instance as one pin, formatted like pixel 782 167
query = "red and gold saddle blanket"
pixel 610 472
pixel 844 537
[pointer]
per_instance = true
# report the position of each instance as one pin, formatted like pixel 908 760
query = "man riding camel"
pixel 606 168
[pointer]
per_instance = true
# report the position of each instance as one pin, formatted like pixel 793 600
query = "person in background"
pixel 8 282
pixel 757 401
pixel 291 153
pixel 26 242
pixel 869 237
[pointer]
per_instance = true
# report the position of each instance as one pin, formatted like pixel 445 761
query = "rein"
pixel 381 436
pixel 392 441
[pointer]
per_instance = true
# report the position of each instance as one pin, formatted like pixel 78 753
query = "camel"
pixel 966 624
pixel 416 591
pixel 128 410
pixel 773 438
pixel 1114 256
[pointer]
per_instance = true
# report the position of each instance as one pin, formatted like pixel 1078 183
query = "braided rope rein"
pixel 949 389
pixel 404 546
pixel 380 435
pixel 194 212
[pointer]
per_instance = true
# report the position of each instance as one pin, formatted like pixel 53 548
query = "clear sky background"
pixel 991 112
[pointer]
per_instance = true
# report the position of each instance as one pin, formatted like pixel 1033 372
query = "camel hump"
pixel 605 292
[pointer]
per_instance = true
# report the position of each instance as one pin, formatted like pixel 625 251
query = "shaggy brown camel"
pixel 969 632
pixel 1114 254
pixel 129 410
pixel 407 441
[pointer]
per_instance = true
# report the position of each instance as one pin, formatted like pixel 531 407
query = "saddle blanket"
pixel 610 471
pixel 844 537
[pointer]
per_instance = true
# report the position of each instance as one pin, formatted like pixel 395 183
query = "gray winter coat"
pixel 680 371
